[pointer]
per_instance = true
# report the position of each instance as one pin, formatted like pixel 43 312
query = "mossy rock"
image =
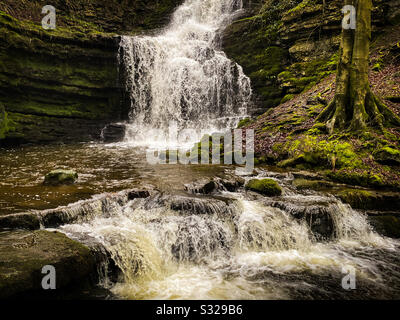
pixel 369 199
pixel 355 178
pixel 267 187
pixel 24 254
pixel 301 184
pixel 244 122
pixel 387 155
pixel 387 225
pixel 60 177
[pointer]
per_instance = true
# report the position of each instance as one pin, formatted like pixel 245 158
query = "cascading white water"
pixel 190 247
pixel 181 77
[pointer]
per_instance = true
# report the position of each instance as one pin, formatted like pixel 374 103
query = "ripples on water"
pixel 227 246
pixel 101 168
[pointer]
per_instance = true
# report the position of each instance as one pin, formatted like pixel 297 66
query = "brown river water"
pixel 228 245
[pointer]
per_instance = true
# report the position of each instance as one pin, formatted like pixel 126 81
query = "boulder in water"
pixel 28 221
pixel 202 187
pixel 267 187
pixel 387 225
pixel 370 199
pixel 25 253
pixel 113 132
pixel 231 184
pixel 138 194
pixel 60 177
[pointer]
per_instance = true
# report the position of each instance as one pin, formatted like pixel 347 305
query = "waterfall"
pixel 181 76
pixel 230 247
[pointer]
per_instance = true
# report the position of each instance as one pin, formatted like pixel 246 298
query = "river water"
pixel 226 245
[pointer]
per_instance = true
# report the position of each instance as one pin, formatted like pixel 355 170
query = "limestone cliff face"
pixel 63 85
pixel 286 47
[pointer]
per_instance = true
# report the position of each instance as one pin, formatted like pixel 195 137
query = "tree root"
pixel 371 112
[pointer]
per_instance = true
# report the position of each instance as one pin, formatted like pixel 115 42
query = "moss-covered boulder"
pixel 267 187
pixel 60 177
pixel 24 254
pixel 387 155
pixel 370 199
pixel 301 184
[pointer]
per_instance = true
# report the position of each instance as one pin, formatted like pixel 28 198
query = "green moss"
pixel 311 184
pixel 60 177
pixel 287 98
pixel 266 187
pixel 358 199
pixel 244 122
pixel 357 178
pixel 300 7
pixel 387 155
pixel 313 152
pixel 301 76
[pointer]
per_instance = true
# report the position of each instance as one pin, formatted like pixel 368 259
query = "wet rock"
pixel 387 225
pixel 267 187
pixel 138 194
pixel 306 175
pixel 24 254
pixel 28 221
pixel 60 177
pixel 104 205
pixel 196 239
pixel 201 187
pixel 113 132
pixel 231 184
pixel 193 205
pixel 369 199
pixel 318 215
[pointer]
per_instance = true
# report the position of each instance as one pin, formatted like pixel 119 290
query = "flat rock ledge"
pixel 81 211
pixel 24 254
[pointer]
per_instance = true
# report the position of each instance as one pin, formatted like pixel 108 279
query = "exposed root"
pixel 368 111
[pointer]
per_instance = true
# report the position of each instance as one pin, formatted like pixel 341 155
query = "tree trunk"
pixel 354 105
